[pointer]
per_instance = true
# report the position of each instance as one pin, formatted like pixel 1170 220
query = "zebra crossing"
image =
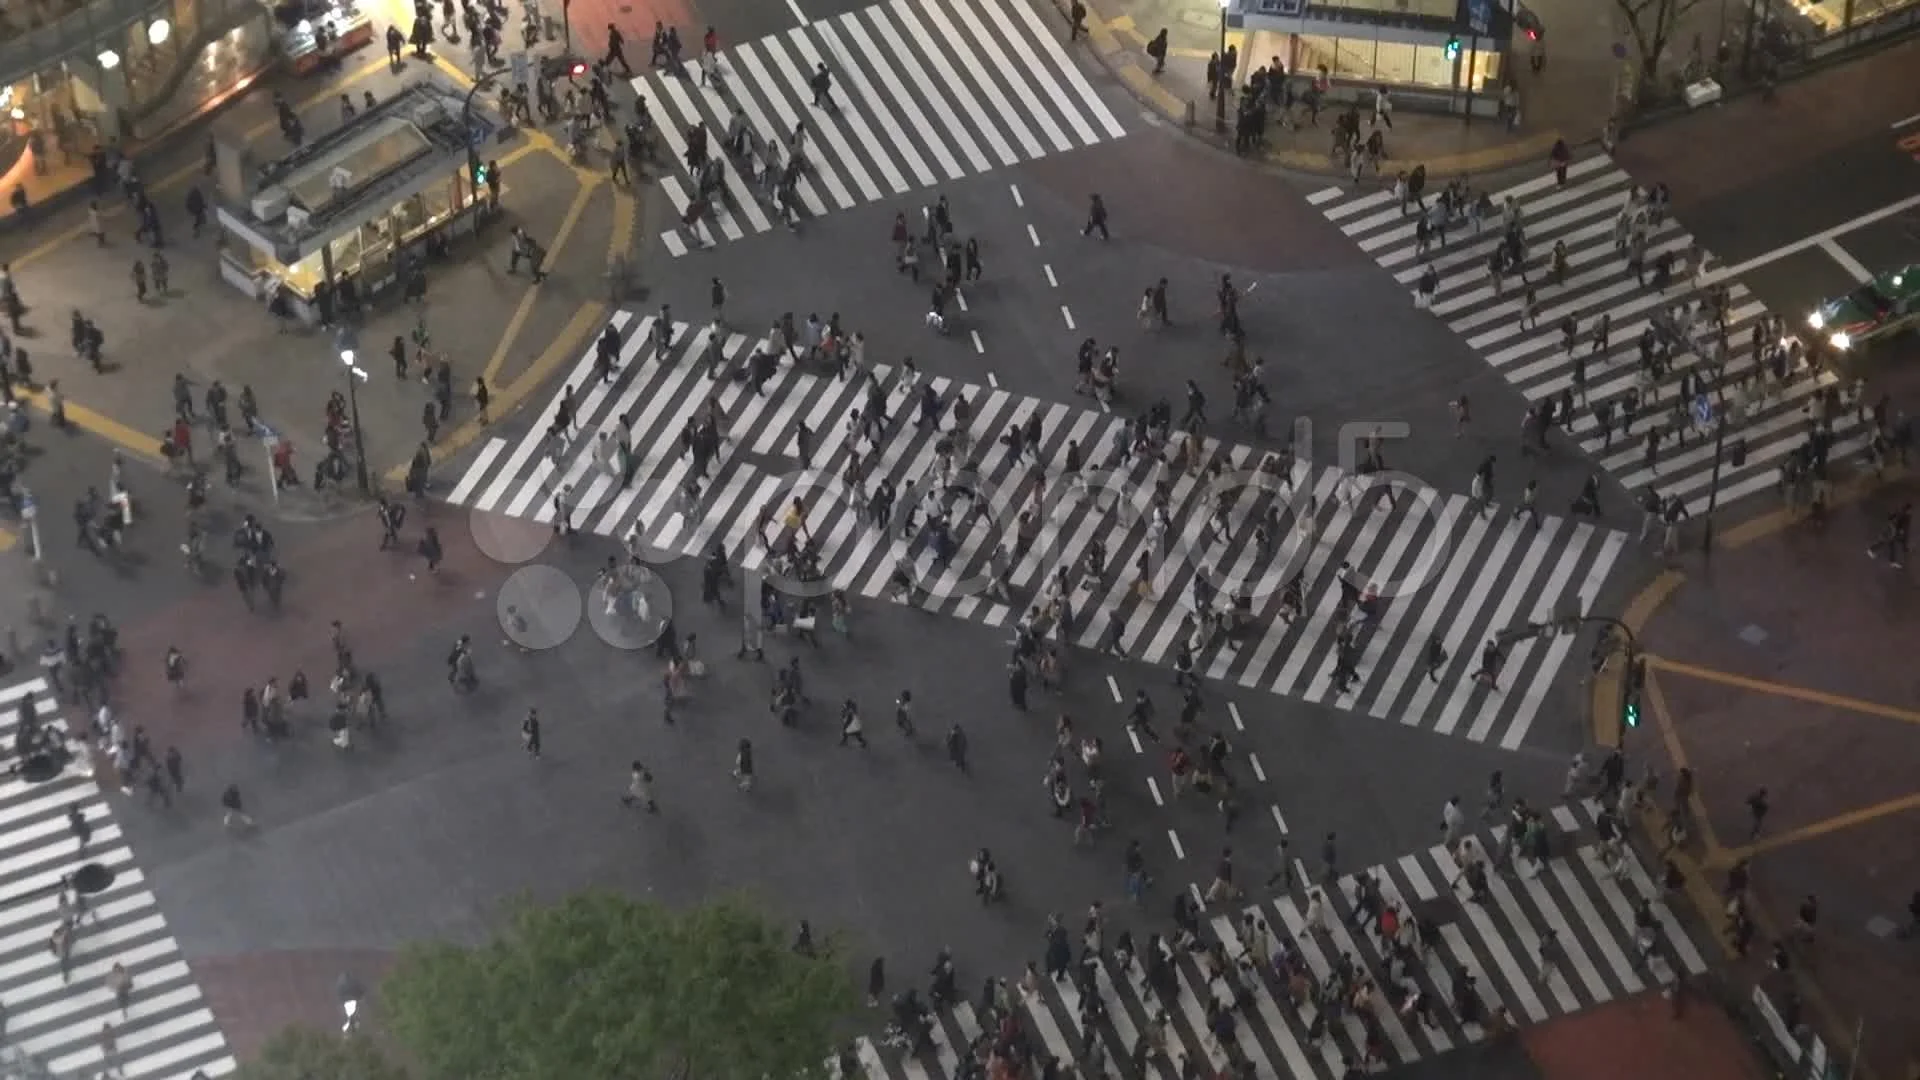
pixel 53 1024
pixel 1444 570
pixel 1598 282
pixel 1593 910
pixel 925 92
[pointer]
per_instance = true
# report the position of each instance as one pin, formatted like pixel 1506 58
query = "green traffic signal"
pixel 1631 714
pixel 1453 49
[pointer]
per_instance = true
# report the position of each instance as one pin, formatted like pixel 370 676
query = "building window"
pixel 186 19
pixel 1394 63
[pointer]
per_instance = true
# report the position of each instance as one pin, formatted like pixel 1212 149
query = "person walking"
pixel 236 813
pixel 82 830
pixel 120 985
pixel 640 789
pixel 530 733
pixel 743 764
pixel 850 726
pixel 957 748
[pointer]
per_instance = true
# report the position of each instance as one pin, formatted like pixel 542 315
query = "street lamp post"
pixel 355 376
pixel 1713 486
pixel 1226 77
pixel 480 81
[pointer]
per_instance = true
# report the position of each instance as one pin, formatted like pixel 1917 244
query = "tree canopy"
pixel 1652 23
pixel 299 1053
pixel 604 987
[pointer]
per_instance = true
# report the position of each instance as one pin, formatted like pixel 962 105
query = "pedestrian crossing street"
pixel 1444 570
pixel 53 1025
pixel 1590 908
pixel 1598 282
pixel 925 92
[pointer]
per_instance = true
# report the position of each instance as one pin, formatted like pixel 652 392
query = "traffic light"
pixel 481 174
pixel 1453 49
pixel 1632 681
pixel 576 69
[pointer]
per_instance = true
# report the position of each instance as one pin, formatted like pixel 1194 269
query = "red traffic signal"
pixel 576 69
pixel 1533 34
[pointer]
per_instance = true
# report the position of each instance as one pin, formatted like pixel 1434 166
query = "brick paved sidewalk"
pixel 1786 663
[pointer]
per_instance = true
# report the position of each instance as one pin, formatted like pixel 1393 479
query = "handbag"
pixel 804 623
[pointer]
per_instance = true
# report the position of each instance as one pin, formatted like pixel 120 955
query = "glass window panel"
pixel 1311 53
pixel 1394 62
pixel 436 201
pixel 1353 58
pixel 1486 72
pixel 1431 66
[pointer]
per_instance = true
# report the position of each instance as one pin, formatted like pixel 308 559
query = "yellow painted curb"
pixel 1776 520
pixel 138 444
pixel 1606 682
pixel 561 235
pixel 626 214
pixel 564 346
pixel 1488 159
pixel 1145 86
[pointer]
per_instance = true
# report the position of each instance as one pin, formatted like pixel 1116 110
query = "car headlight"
pixel 1841 341
pixel 1816 320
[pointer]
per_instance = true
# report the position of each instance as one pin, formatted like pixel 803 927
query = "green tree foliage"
pixel 300 1053
pixel 604 987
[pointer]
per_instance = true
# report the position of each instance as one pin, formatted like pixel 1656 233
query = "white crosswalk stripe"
pixel 924 91
pixel 1443 570
pixel 1601 953
pixel 1598 283
pixel 54 1019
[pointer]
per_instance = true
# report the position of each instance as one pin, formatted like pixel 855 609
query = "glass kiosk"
pixel 360 210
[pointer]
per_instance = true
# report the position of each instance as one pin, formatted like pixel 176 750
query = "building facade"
pixel 76 75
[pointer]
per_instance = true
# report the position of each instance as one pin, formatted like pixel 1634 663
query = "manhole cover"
pixel 1753 635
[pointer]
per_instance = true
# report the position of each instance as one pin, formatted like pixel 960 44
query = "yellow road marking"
pixel 564 346
pixel 1837 823
pixel 625 211
pixel 8 539
pixel 1706 897
pixel 1677 753
pixel 137 443
pixel 1606 684
pixel 1786 690
pixel 514 325
pixel 1775 521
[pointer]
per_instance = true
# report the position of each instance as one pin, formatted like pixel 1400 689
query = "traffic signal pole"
pixel 1633 673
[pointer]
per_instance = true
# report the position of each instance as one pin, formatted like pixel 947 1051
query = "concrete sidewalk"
pixel 1571 98
pixel 486 322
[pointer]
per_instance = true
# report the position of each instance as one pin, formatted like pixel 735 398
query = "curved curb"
pixel 1655 594
pixel 1701 892
pixel 1119 61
